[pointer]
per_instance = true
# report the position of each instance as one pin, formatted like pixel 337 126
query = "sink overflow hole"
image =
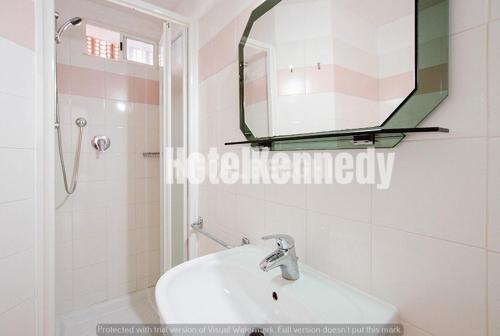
pixel 275 296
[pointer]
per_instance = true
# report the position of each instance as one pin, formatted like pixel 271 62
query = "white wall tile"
pixel 17 80
pixel 17 282
pixel 65 111
pixel 429 280
pixel 147 214
pixel 90 108
pixel 89 251
pixel 351 201
pixel 287 194
pixel 494 78
pixel 86 300
pixel 250 219
pixel 153 190
pixel 438 189
pixel 64 227
pixel 152 238
pixel 123 216
pixel 287 220
pixel 119 113
pixel 89 223
pixel 64 307
pixel 119 290
pixel 92 194
pixel 465 14
pixel 148 263
pixel 140 237
pixel 19 320
pixel 146 168
pixel 147 282
pixel 494 293
pixel 410 330
pixel 64 285
pixel 79 56
pixel 219 16
pixel 17 113
pixel 464 112
pixel 92 167
pixel 121 270
pixel 18 231
pixel 121 166
pixel 89 279
pixel 228 94
pixel 141 190
pixel 250 190
pixel 121 243
pixel 494 194
pixel 121 139
pixel 226 211
pixel 64 257
pixel 17 174
pixel 68 132
pixel 494 9
pixel 339 248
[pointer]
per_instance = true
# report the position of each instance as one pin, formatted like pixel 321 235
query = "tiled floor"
pixel 137 308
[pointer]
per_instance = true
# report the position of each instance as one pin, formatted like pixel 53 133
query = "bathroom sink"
pixel 229 288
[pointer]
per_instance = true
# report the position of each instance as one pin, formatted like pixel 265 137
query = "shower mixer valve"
pixel 101 143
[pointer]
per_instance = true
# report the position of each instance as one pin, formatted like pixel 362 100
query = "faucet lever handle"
pixel 284 241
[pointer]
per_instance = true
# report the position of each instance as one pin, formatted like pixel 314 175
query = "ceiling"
pixel 194 9
pixel 168 4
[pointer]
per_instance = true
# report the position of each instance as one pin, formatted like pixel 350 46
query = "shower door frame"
pixel 45 151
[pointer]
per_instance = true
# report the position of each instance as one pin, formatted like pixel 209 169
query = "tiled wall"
pixel 431 243
pixel 17 169
pixel 107 233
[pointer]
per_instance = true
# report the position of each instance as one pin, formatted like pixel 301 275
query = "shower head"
pixel 76 21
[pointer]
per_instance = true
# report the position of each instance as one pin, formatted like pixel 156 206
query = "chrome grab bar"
pixel 198 227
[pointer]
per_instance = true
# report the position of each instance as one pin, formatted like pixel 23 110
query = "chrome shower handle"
pixel 101 143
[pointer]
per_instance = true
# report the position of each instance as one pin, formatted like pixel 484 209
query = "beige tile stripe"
pixel 86 82
pixel 17 22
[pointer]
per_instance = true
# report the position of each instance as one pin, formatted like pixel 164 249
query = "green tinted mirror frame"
pixel 431 87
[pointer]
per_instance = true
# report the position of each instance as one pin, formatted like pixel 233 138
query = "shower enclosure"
pixel 122 78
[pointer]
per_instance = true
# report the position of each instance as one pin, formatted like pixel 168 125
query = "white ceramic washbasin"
pixel 229 288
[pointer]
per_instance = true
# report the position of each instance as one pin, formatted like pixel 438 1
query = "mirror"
pixel 328 65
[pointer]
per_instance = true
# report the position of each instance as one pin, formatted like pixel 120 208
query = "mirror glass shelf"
pixel 316 73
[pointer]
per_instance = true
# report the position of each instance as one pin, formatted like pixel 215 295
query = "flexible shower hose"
pixel 81 123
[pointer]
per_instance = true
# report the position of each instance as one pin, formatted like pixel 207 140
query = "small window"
pixel 139 51
pixel 103 42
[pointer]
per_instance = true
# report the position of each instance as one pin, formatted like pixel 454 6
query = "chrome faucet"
pixel 284 257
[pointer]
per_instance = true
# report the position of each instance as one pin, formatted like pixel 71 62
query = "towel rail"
pixel 198 227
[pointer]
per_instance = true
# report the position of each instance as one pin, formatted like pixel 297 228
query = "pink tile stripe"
pixel 256 91
pixel 396 86
pixel 17 22
pixel 334 78
pixel 94 83
pixel 218 53
pixel 356 84
pixel 222 49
